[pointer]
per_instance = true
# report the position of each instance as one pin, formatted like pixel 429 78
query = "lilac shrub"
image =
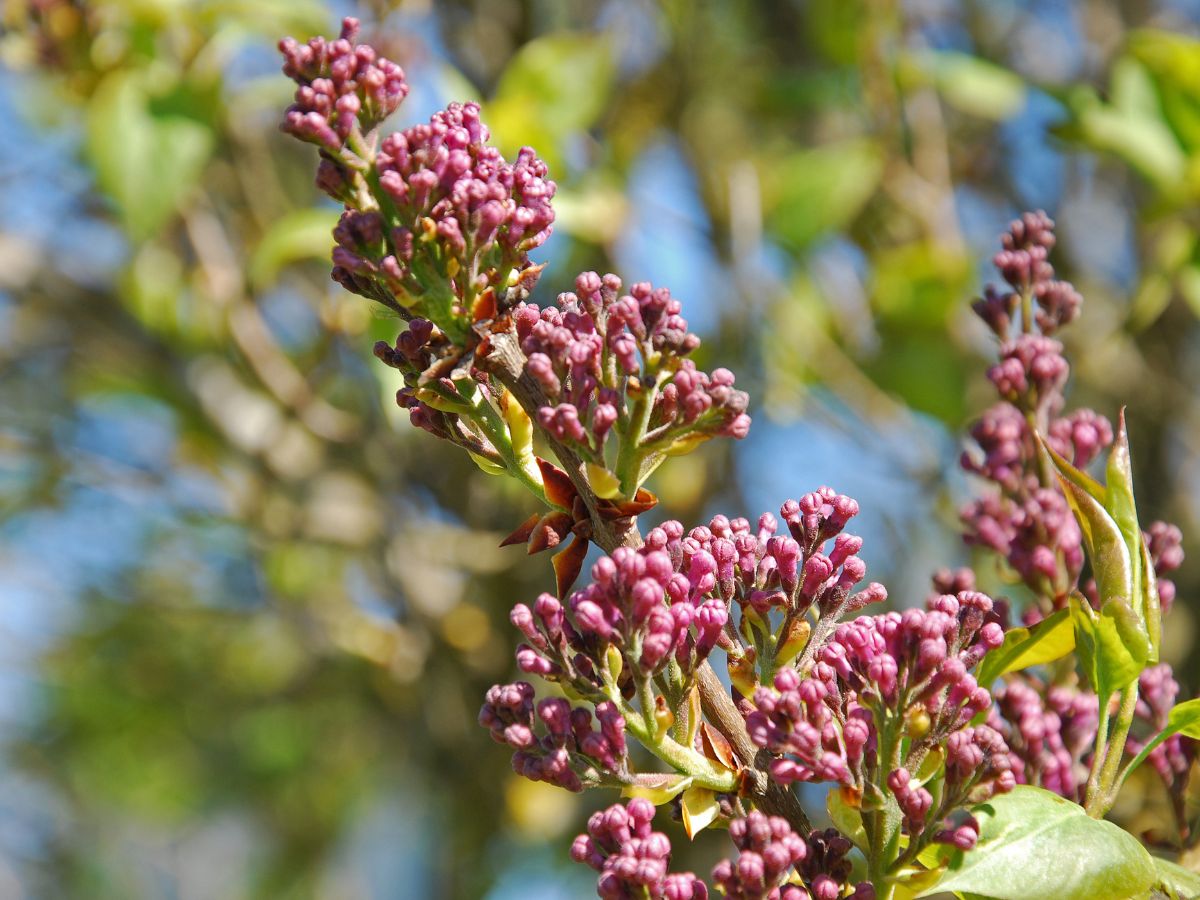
pixel 924 724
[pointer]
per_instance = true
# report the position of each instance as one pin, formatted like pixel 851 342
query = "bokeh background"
pixel 247 613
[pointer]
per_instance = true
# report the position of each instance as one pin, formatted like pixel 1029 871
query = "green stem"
pixel 703 771
pixel 492 424
pixel 884 821
pixel 1109 779
pixel 1098 755
pixel 629 456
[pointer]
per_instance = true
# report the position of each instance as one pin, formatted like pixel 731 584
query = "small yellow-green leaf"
pixel 656 788
pixel 485 464
pixel 1048 640
pixel 846 818
pixel 604 483
pixel 700 809
pixel 1151 602
pixel 1121 506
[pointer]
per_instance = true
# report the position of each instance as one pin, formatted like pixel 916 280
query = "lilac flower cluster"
pixel 454 219
pixel 606 359
pixel 769 850
pixel 437 222
pixel 414 351
pixel 1050 730
pixel 341 86
pixel 1027 520
pixel 773 862
pixel 826 868
pixel 977 766
pixel 570 754
pixel 1050 725
pixel 762 568
pixel 826 726
pixel 631 858
pixel 771 855
pixel 641 602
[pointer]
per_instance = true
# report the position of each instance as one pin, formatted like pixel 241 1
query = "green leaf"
pixel 699 808
pixel 1106 660
pixel 846 818
pixel 1120 504
pixel 820 190
pixel 1151 604
pixel 1035 845
pixel 147 152
pixel 1132 126
pixel 657 788
pixel 1119 487
pixel 1081 479
pixel 1113 569
pixel 554 86
pixel 1048 640
pixel 1184 718
pixel 302 234
pixel 973 85
pixel 1175 880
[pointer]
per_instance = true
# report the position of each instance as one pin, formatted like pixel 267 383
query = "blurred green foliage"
pixel 256 603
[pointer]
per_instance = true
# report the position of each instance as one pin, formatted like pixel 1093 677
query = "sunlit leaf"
pixel 1048 640
pixel 845 817
pixel 699 808
pixel 1184 718
pixel 818 190
pixel 147 159
pixel 1107 661
pixel 657 788
pixel 554 85
pixel 299 235
pixel 969 83
pixel 1179 883
pixel 1035 845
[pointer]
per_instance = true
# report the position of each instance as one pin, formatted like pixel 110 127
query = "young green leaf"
pixel 1121 506
pixel 846 818
pixel 1105 545
pixel 1150 600
pixel 1048 640
pixel 1035 845
pixel 699 808
pixel 1120 591
pixel 658 788
pixel 1184 718
pixel 1106 659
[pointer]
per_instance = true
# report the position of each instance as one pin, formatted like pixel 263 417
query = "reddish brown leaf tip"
pixel 549 532
pixel 568 563
pixel 559 489
pixel 521 533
